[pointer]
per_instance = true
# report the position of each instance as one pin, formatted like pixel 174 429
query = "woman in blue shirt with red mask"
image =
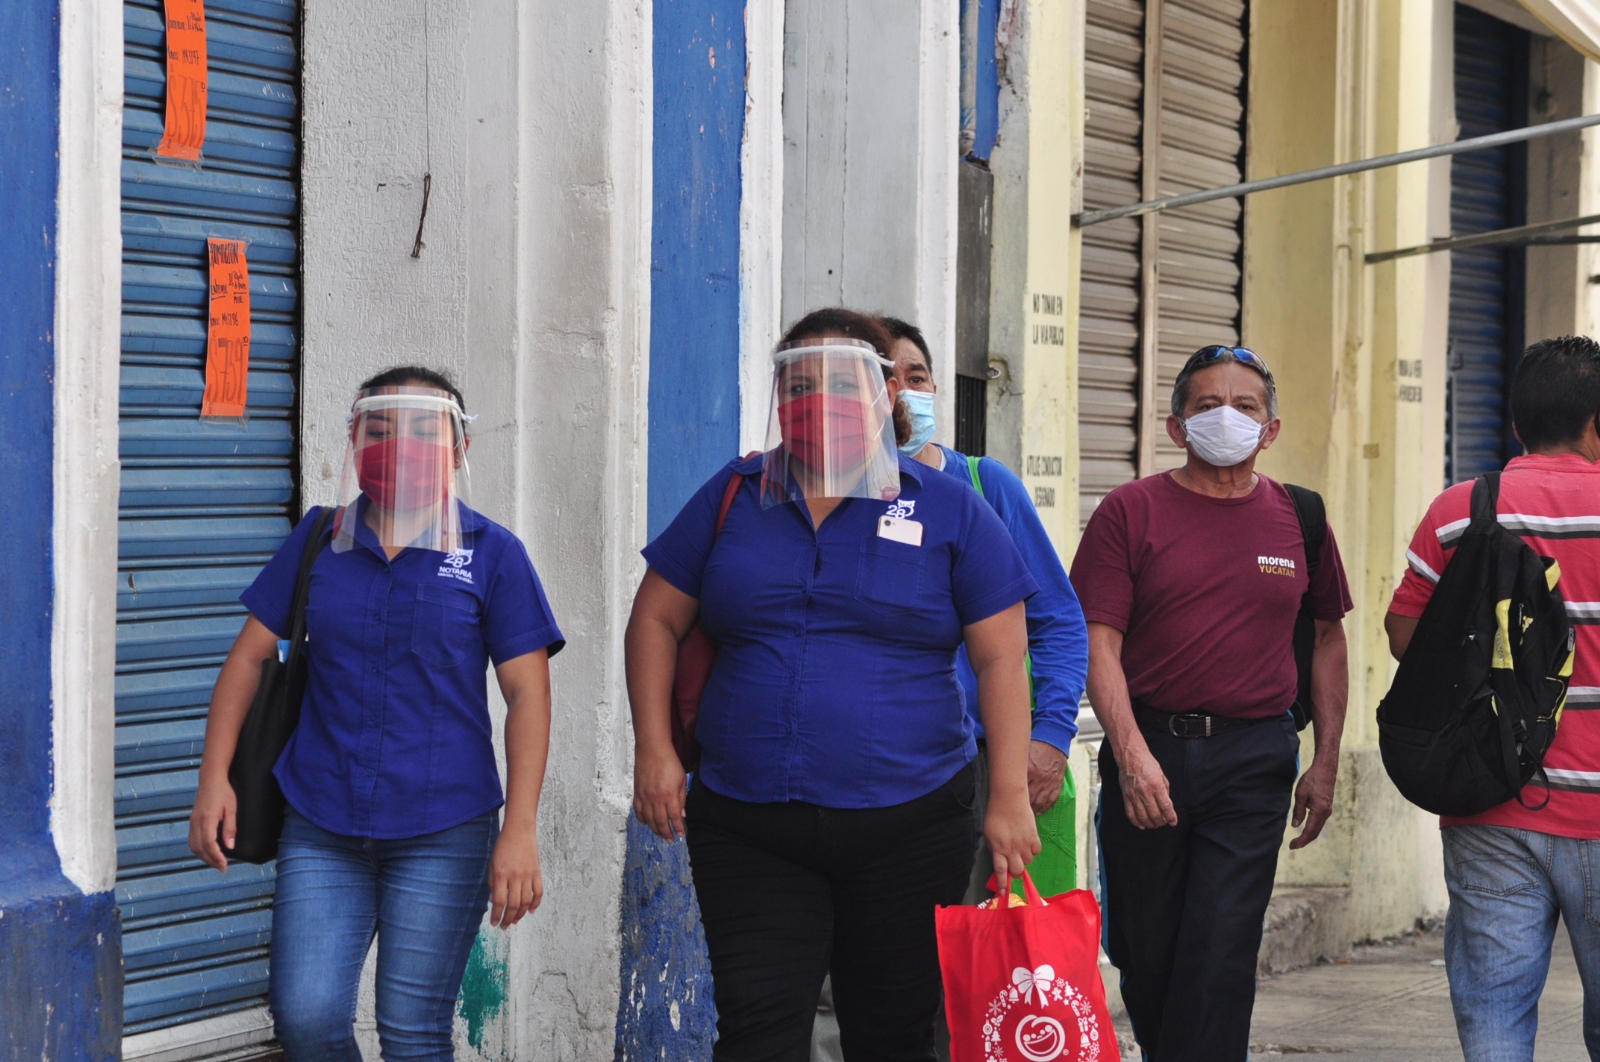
pixel 833 805
pixel 393 824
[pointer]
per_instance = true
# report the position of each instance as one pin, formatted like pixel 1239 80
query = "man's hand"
pixel 1047 768
pixel 1145 792
pixel 1313 799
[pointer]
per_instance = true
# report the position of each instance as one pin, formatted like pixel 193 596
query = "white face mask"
pixel 1223 436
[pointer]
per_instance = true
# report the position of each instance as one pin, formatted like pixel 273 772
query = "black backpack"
pixel 1314 527
pixel 1475 702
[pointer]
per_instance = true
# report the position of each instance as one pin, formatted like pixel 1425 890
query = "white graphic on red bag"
pixel 1040 1017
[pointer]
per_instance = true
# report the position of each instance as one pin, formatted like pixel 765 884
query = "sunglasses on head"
pixel 1207 355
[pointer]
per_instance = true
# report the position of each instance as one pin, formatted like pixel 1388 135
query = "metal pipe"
pixel 1232 191
pixel 1520 234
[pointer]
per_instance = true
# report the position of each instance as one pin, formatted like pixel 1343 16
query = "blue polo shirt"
pixel 394 737
pixel 1058 638
pixel 835 680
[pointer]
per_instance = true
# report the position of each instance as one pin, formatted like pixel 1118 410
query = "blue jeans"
pixel 1507 888
pixel 424 897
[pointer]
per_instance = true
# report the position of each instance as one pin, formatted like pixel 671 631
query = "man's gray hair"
pixel 1180 386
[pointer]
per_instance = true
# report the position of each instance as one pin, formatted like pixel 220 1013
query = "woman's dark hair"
pixel 1555 392
pixel 401 375
pixel 899 329
pixel 836 322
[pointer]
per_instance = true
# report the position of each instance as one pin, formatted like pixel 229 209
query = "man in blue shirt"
pixel 1058 642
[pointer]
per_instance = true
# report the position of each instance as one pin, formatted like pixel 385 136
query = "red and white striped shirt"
pixel 1553 502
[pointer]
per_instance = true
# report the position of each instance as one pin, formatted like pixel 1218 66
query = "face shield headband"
pixel 404 470
pixel 831 429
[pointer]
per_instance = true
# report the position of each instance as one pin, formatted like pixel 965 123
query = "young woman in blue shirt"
pixel 832 809
pixel 393 826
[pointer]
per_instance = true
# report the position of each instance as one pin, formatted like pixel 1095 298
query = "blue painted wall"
pixel 60 966
pixel 694 263
pixel 988 124
pixel 666 1010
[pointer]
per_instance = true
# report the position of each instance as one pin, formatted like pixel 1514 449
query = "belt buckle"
pixel 1191 725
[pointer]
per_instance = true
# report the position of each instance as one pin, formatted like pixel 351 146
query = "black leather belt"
pixel 1189 724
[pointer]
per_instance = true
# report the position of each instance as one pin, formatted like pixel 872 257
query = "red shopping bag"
pixel 1022 984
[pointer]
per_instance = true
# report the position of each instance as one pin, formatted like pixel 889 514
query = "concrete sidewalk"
pixel 1391 1002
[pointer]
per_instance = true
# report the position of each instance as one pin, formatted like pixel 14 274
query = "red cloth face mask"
pixel 403 474
pixel 826 433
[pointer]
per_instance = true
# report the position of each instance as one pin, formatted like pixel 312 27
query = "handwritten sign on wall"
pixel 228 333
pixel 185 131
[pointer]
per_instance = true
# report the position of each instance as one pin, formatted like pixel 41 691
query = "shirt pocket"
pixel 445 625
pixel 889 575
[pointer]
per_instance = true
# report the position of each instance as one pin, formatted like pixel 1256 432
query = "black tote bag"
pixel 274 714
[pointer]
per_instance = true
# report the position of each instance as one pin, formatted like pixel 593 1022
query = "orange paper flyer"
pixel 228 334
pixel 185 131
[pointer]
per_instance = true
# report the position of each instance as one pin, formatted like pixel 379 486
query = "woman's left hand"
pixel 1012 835
pixel 516 885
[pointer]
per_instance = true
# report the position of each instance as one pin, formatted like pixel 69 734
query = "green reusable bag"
pixel 1055 869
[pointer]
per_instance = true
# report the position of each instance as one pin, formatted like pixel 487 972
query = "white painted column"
pixel 760 217
pixel 88 339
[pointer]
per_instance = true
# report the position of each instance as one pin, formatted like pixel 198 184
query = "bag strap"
pixel 977 480
pixel 1028 887
pixel 302 582
pixel 732 492
pixel 1313 514
pixel 1485 502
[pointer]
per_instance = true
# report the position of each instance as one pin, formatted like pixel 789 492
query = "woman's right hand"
pixel 215 807
pixel 660 788
pixel 1012 834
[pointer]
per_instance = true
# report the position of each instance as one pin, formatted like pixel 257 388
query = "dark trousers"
pixel 791 892
pixel 1184 904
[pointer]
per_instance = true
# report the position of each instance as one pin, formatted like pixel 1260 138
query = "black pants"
pixel 1184 904
pixel 791 892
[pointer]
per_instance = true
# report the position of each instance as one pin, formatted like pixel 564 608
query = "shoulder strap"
pixel 302 581
pixel 734 483
pixel 977 480
pixel 1313 516
pixel 1485 501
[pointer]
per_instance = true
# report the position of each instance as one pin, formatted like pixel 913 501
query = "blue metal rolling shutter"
pixel 1486 296
pixel 202 505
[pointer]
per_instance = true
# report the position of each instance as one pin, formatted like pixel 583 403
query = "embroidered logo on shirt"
pixel 1276 566
pixel 455 565
pixel 902 508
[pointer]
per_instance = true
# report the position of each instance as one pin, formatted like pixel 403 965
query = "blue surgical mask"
pixel 920 405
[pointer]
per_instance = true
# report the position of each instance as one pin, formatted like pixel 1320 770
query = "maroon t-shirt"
pixel 1205 591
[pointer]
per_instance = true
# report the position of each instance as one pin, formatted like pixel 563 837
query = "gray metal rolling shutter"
pixel 1202 146
pixel 203 505
pixel 1177 272
pixel 1486 286
pixel 1108 331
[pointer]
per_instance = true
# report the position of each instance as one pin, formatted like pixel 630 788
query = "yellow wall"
pixel 1330 82
pixel 1033 307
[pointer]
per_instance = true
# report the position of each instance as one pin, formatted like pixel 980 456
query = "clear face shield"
pixel 404 469
pixel 831 432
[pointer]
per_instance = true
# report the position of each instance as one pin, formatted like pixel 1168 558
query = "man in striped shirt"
pixel 1512 871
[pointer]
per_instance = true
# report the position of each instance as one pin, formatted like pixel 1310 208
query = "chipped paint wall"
pixel 872 124
pixel 532 117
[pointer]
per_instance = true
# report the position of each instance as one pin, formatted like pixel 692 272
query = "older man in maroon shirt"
pixel 1191 581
